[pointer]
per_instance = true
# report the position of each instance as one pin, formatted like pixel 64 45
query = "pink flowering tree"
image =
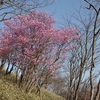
pixel 34 47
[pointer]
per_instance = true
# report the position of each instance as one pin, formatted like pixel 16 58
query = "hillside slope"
pixel 10 91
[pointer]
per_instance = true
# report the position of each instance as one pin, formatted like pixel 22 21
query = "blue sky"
pixel 60 7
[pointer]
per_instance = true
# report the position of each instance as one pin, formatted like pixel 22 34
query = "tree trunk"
pixel 20 81
pixel 7 68
pixel 97 96
pixel 2 64
pixel 79 81
pixel 11 70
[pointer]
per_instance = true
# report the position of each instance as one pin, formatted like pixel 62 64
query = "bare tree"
pixel 84 58
pixel 9 8
pixel 96 31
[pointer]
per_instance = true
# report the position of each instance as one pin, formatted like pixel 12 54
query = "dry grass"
pixel 10 91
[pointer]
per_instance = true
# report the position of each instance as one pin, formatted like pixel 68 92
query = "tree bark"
pixel 97 96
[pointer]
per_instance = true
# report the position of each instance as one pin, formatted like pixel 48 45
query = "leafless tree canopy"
pixel 8 8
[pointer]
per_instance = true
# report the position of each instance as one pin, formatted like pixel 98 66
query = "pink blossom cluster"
pixel 33 42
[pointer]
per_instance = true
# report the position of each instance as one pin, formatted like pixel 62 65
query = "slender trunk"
pixel 7 68
pixel 92 68
pixel 38 90
pixel 70 95
pixel 29 86
pixel 20 81
pixel 91 84
pixel 85 93
pixel 16 74
pixel 79 81
pixel 11 69
pixel 97 96
pixel 2 64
